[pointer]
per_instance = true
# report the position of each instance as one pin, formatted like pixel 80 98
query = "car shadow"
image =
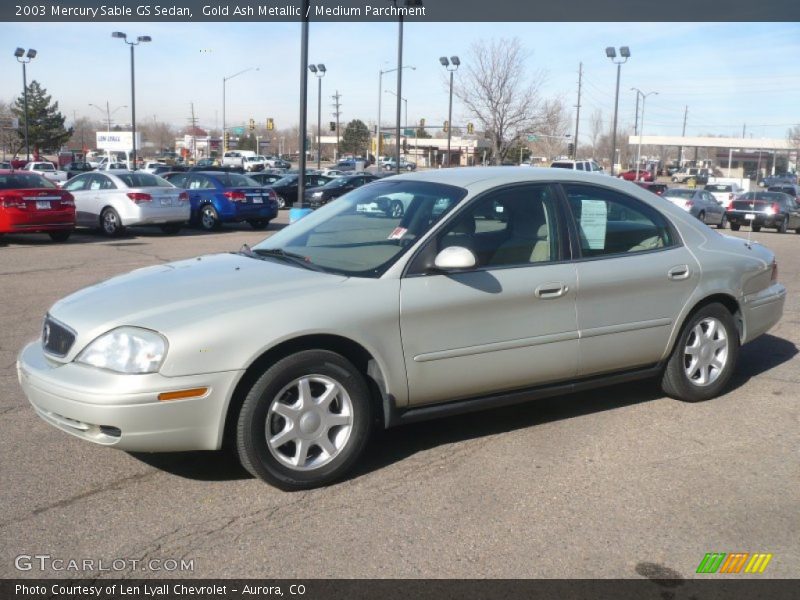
pixel 397 444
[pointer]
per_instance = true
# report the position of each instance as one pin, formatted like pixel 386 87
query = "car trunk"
pixel 38 207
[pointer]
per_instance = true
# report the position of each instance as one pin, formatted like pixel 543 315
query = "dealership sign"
pixel 121 141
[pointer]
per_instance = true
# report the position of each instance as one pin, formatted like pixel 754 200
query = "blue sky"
pixel 729 74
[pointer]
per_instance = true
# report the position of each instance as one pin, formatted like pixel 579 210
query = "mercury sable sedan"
pixel 494 286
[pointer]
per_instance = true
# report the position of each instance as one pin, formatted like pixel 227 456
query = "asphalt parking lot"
pixel 617 482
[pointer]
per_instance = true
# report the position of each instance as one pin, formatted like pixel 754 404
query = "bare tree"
pixel 794 135
pixel 552 127
pixel 595 130
pixel 495 91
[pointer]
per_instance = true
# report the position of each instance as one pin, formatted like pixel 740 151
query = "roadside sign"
pixel 9 123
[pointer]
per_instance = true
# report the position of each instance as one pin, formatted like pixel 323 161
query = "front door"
pixel 508 323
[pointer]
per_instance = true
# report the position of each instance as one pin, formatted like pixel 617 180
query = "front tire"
pixel 783 226
pixel 756 228
pixel 723 221
pixel 305 422
pixel 735 226
pixel 110 223
pixel 704 356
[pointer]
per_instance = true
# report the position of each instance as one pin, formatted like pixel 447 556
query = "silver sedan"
pixel 494 286
pixel 700 204
pixel 114 200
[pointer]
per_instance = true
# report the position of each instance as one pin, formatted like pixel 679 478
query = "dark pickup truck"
pixel 783 178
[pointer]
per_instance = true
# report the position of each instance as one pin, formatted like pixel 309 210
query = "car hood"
pixel 185 294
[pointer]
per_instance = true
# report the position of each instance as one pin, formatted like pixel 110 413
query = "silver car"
pixel 700 204
pixel 118 199
pixel 495 286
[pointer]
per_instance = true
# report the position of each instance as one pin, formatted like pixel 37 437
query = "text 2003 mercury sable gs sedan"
pixel 494 285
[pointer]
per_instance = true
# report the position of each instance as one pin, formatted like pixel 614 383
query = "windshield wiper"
pixel 298 259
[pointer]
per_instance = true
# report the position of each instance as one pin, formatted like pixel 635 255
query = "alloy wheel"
pixel 706 352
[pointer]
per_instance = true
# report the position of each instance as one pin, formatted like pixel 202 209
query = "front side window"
pixel 365 231
pixel 512 227
pixel 609 222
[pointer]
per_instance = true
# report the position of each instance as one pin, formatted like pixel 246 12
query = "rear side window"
pixel 609 222
pixel 562 165
pixel 139 179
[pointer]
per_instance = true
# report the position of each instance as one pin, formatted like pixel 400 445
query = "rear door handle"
pixel 679 273
pixel 549 290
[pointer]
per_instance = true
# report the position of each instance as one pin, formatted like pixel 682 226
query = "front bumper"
pixel 123 411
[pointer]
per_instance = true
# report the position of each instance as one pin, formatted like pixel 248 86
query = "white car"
pixel 114 200
pixel 47 170
pixel 150 167
pixel 724 193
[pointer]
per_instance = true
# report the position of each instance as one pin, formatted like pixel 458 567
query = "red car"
pixel 29 203
pixel 643 175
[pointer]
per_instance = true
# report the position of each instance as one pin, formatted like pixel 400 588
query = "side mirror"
pixel 454 258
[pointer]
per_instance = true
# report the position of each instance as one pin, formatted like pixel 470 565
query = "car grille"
pixel 56 338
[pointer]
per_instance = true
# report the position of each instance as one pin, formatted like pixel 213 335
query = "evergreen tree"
pixel 355 139
pixel 46 131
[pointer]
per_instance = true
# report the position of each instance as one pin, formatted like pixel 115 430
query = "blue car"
pixel 218 197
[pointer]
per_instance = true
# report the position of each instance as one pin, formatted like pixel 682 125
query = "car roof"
pixel 468 176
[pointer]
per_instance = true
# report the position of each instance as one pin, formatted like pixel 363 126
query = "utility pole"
pixel 636 118
pixel 337 113
pixel 578 115
pixel 193 121
pixel 680 148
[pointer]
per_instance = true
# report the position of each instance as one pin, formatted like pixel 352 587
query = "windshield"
pixel 718 188
pixel 365 231
pixel 19 181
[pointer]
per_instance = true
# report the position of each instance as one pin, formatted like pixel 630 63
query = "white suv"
pixel 577 165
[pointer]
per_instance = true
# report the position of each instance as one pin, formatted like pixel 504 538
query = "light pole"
pixel 454 62
pixel 20 53
pixel 625 54
pixel 139 40
pixel 641 128
pixel 224 81
pixel 380 95
pixel 108 112
pixel 319 71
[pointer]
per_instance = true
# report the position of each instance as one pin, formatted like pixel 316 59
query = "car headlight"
pixel 129 350
pixel 316 195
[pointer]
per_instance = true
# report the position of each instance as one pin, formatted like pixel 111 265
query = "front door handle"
pixel 553 289
pixel 679 273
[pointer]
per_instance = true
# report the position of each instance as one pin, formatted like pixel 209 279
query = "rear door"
pixel 634 276
pixel 79 188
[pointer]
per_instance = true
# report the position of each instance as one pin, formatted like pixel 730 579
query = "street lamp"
pixel 408 4
pixel 454 62
pixel 224 81
pixel 20 53
pixel 139 40
pixel 319 71
pixel 625 54
pixel 641 128
pixel 108 112
pixel 380 95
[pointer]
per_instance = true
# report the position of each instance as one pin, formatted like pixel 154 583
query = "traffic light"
pixel 333 125
pixel 252 125
pixel 270 124
pixel 570 149
pixel 470 128
pixel 446 127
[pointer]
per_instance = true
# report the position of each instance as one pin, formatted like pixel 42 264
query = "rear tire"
pixel 60 236
pixel 756 228
pixel 723 221
pixel 258 224
pixel 702 217
pixel 735 226
pixel 110 223
pixel 783 226
pixel 305 422
pixel 171 228
pixel 209 218
pixel 704 355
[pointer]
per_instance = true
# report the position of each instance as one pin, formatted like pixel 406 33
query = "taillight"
pixel 776 208
pixel 12 201
pixel 183 197
pixel 235 196
pixel 67 200
pixel 730 206
pixel 139 197
pixel 689 203
pixel 272 195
